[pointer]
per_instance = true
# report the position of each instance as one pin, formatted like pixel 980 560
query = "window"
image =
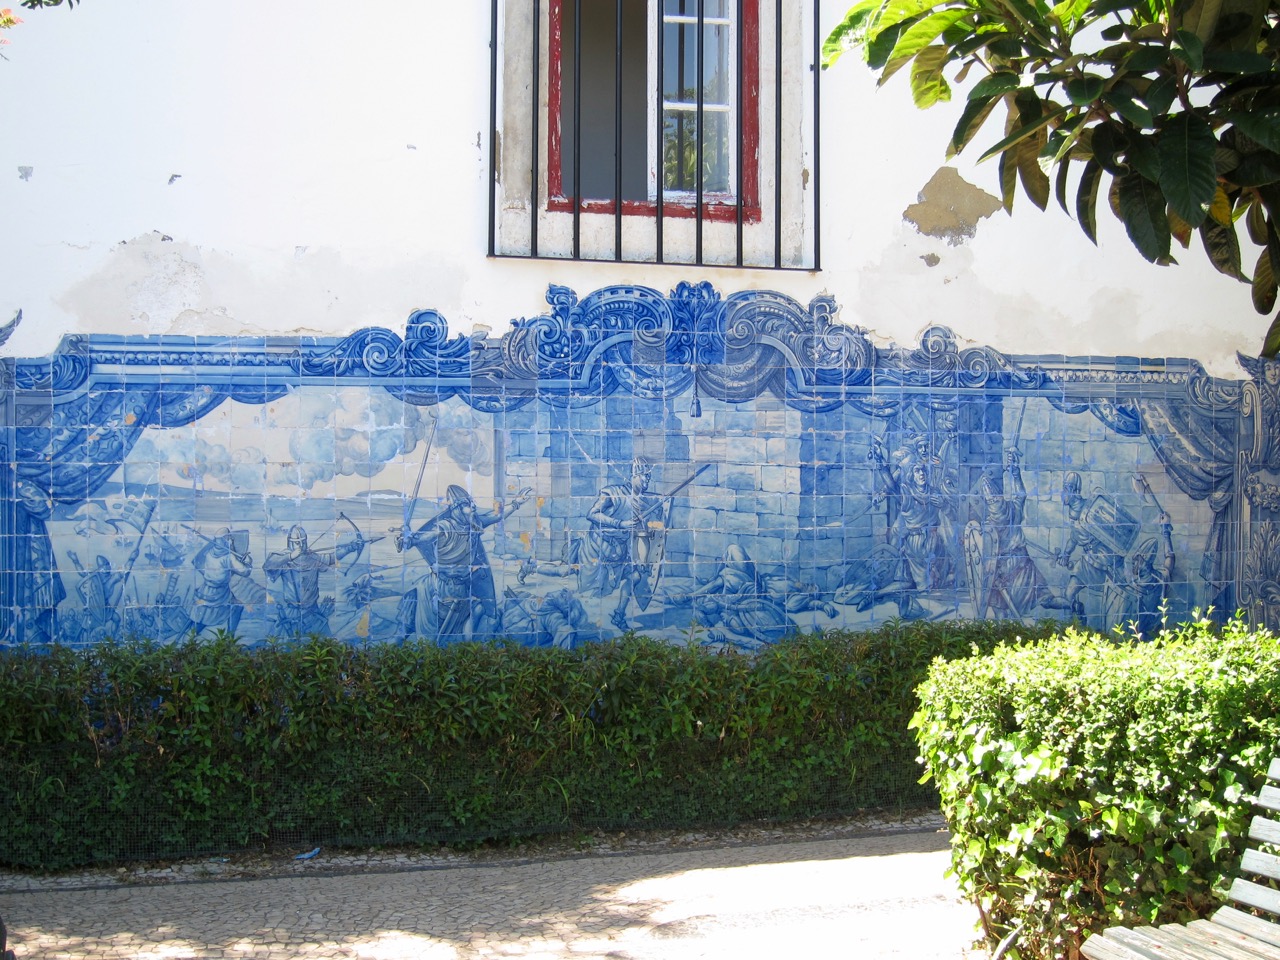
pixel 639 57
pixel 668 131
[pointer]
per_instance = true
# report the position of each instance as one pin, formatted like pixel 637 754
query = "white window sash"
pixel 656 108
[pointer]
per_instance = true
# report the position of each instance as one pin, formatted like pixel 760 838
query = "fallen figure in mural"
pixel 737 607
pixel 882 577
pixel 456 598
pixel 557 619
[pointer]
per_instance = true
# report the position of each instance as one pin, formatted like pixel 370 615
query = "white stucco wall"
pixel 310 166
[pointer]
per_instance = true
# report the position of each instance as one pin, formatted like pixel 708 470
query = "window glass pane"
pixel 680 151
pixel 689 8
pixel 680 64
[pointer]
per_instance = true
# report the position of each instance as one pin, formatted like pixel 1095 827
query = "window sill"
pixel 721 209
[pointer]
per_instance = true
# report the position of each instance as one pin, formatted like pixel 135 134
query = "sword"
pixel 1143 489
pixel 422 469
pixel 670 496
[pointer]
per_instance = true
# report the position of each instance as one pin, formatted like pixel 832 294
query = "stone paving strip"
pixel 870 896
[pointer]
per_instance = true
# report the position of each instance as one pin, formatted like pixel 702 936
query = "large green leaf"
pixel 896 11
pixel 1023 132
pixel 1256 220
pixel 1235 61
pixel 848 32
pixel 1202 18
pixel 1107 142
pixel 1189 48
pixel 1085 89
pixel 1070 12
pixel 928 85
pixel 880 45
pixel 1008 170
pixel 1246 89
pixel 1273 247
pixel 1121 98
pixel 1142 206
pixel 1257 170
pixel 1264 284
pixel 1160 94
pixel 972 118
pixel 923 32
pixel 1002 81
pixel 1271 343
pixel 1144 156
pixel 1188 176
pixel 1146 58
pixel 1034 180
pixel 1223 247
pixel 1261 125
pixel 1087 199
pixel 1060 185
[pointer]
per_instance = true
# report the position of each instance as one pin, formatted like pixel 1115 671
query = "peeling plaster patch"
pixel 950 207
pixel 931 259
pixel 24 173
pixel 149 279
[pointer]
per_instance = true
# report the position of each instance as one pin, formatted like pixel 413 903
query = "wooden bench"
pixel 1231 934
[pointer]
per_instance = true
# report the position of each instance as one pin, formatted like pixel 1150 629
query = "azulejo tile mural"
pixel 700 468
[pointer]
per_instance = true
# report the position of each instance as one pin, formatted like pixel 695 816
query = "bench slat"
pixel 1105 946
pixel 1223 943
pixel 1255 895
pixel 1209 948
pixel 1263 864
pixel 1160 946
pixel 1248 924
pixel 1207 929
pixel 1269 798
pixel 1273 770
pixel 1264 830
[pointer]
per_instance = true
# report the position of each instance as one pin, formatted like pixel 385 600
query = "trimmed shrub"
pixel 137 750
pixel 1089 783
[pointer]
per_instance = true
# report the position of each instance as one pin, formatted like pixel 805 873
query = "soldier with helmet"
pixel 620 548
pixel 299 610
pixel 456 599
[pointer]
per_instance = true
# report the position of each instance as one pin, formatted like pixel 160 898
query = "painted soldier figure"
pixel 218 563
pixel 456 599
pixel 300 612
pixel 624 546
pixel 1002 576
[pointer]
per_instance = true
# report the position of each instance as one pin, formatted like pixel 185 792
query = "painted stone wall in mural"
pixel 703 469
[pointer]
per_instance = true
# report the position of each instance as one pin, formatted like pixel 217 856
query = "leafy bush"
pixel 1090 783
pixel 141 750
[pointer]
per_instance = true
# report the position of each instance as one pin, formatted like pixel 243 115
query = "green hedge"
pixel 1090 783
pixel 138 750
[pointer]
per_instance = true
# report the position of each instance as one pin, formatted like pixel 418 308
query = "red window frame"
pixel 717 207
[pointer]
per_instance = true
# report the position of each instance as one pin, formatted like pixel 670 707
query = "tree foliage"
pixel 1174 105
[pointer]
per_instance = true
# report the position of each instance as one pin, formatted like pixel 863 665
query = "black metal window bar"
pixel 662 131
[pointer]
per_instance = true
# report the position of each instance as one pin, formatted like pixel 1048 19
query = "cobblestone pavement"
pixel 867 896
